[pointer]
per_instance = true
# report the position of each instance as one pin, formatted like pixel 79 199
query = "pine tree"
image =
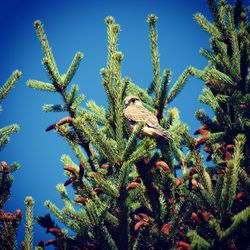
pixel 9 222
pixel 224 200
pixel 127 194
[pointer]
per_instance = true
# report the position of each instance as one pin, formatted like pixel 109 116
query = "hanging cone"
pixel 204 215
pixel 19 213
pixel 50 242
pixel 192 171
pixel 132 185
pixel 181 233
pixel 178 181
pixel 207 149
pixel 195 217
pixel 69 181
pixel 140 224
pixel 104 166
pixel 240 195
pixel 202 130
pixel 55 231
pixel 194 183
pixel 209 158
pixel 70 169
pixel 229 151
pixel 98 191
pixel 137 217
pixel 232 246
pixel 162 165
pixel 166 229
pixel 81 200
pixel 144 216
pixel 185 245
pixel 4 164
pixel 81 169
pixel 5 169
pixel 201 141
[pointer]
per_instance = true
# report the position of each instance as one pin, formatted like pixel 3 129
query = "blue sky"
pixel 73 26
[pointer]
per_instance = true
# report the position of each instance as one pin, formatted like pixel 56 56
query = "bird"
pixel 135 112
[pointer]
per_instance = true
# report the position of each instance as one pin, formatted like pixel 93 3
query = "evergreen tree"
pixel 226 136
pixel 127 194
pixel 9 222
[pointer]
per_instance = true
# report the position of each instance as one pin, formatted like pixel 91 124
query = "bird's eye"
pixel 133 99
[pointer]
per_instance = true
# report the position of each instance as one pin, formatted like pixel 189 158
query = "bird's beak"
pixel 126 102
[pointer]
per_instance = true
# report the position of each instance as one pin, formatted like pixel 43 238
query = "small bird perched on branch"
pixel 135 112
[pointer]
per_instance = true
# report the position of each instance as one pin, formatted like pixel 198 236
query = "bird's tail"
pixel 163 133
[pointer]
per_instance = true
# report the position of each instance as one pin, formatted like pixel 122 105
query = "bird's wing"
pixel 139 113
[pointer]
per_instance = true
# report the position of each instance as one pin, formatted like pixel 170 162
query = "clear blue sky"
pixel 73 26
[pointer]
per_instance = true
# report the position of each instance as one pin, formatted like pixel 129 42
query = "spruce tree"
pixel 127 192
pixel 226 135
pixel 9 222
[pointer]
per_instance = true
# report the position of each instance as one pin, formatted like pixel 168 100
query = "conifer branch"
pixel 205 179
pixel 142 150
pixel 49 60
pixel 163 206
pixel 113 30
pixel 106 186
pixel 29 201
pixel 180 157
pixel 216 137
pixel 152 19
pixel 109 243
pixel 231 178
pixel 60 215
pixel 118 102
pixel 55 108
pixel 207 26
pixel 72 68
pixel 7 130
pixel 100 140
pixel 242 218
pixel 3 141
pixel 77 146
pixel 163 93
pixel 218 14
pixel 132 141
pixel 64 196
pixel 178 85
pixel 80 216
pixel 244 178
pixel 9 84
pixel 52 73
pixel 197 241
pixel 207 97
pixel 234 44
pixel 109 90
pixel 98 112
pixel 193 198
pixel 72 94
pixel 141 241
pixel 123 175
pixel 60 82
pixel 41 85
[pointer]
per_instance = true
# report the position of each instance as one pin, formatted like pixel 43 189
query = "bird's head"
pixel 131 100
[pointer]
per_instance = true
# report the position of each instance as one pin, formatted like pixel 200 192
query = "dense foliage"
pixel 127 193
